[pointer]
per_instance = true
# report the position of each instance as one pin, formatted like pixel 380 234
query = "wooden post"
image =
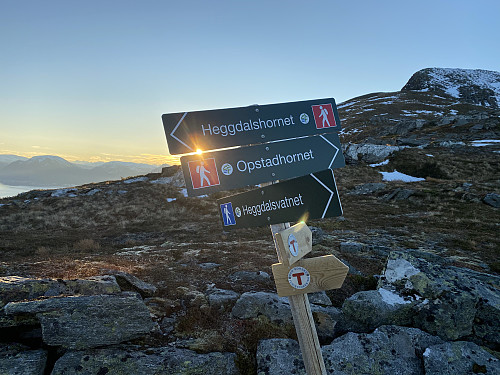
pixel 302 318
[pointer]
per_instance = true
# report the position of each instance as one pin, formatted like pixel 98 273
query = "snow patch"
pixel 162 181
pixel 171 200
pixel 485 142
pixel 137 179
pixel 391 298
pixel 398 176
pixel 184 192
pixel 385 162
pixel 64 192
pixel 429 155
pixel 398 269
pixel 427 353
pixel 93 192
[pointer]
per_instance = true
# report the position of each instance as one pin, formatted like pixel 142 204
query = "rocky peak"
pixel 475 86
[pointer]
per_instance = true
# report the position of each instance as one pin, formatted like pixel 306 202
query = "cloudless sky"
pixel 89 80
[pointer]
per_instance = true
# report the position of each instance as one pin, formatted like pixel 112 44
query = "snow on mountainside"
pixel 473 86
pixel 435 106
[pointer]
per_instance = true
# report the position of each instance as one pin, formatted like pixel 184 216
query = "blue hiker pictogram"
pixel 227 214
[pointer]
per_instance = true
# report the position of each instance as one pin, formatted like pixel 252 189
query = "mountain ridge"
pixel 51 170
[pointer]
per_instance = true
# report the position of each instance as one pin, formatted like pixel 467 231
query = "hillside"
pixel 146 226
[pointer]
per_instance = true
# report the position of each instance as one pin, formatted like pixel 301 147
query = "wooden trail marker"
pixel 309 275
pixel 295 242
pixel 302 318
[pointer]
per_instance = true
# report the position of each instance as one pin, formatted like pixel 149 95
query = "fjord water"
pixel 11 191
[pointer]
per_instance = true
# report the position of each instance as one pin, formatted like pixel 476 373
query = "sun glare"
pixel 199 151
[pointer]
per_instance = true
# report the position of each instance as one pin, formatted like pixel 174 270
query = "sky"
pixel 89 80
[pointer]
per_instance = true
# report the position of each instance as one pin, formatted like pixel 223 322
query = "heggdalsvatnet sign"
pixel 308 197
pixel 188 132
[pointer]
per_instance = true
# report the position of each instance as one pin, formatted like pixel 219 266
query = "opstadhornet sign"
pixel 188 132
pixel 238 167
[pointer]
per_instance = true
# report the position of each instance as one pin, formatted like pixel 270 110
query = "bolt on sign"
pixel 234 168
pixel 213 129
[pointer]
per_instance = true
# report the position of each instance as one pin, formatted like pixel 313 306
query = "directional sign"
pixel 244 166
pixel 207 130
pixel 308 197
pixel 309 275
pixel 295 242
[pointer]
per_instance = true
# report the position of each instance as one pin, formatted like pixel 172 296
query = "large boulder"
pixel 16 359
pixel 389 350
pixel 367 310
pixel 279 356
pixel 88 321
pixel 369 153
pixel 460 357
pixel 132 361
pixel 15 288
pixel 131 283
pixel 453 303
pixel 253 304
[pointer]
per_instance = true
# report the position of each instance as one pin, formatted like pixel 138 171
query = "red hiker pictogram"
pixel 323 116
pixel 203 173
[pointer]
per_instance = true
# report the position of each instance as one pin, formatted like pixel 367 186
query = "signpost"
pixel 289 140
pixel 213 129
pixel 244 166
pixel 303 198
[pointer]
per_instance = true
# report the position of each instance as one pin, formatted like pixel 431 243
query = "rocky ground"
pixel 424 262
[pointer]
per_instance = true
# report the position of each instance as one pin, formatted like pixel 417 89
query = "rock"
pixel 258 276
pixel 131 283
pixel 459 357
pixel 319 298
pixel 492 200
pixel 88 321
pixel 279 356
pixel 167 325
pixel 317 235
pixel 253 304
pixel 14 288
pixel 131 361
pixel 16 359
pixel 388 350
pixel 399 194
pixel 451 302
pixel 352 247
pixel 209 266
pixel 221 297
pixel 364 311
pixel 368 188
pixel 325 320
pixel 352 270
pixel 369 153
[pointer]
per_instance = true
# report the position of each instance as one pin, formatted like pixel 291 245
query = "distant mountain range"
pixel 49 170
